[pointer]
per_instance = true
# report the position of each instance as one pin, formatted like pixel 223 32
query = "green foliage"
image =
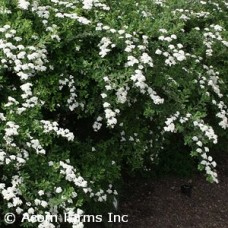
pixel 92 93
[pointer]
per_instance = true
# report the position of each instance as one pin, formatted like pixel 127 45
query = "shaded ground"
pixel 160 203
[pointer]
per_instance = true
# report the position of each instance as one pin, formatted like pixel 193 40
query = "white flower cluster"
pixel 131 61
pixel 11 101
pixel 57 6
pixel 170 126
pixel 71 175
pixel 174 53
pixel 88 5
pixel 42 12
pixel 143 60
pixel 166 38
pixel 2 157
pixel 18 160
pixel 222 114
pixel 214 80
pixel 121 94
pixel 24 60
pixel 26 88
pixel 54 126
pixel 30 100
pixel 12 193
pixel 71 101
pixel 207 130
pixel 160 2
pixel 139 81
pixel 202 14
pixel 11 130
pixel 110 115
pixel 109 86
pixel 2 117
pixel 207 161
pixel 53 29
pixel 146 59
pixel 35 144
pixel 104 46
pixel 211 35
pixel 30 103
pixel 97 124
pixel 185 119
pixel 186 14
pixel 23 4
pixel 102 196
pixel 130 46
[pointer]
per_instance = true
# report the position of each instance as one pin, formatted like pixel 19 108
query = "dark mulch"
pixel 160 203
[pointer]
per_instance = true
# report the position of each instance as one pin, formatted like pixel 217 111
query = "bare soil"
pixel 161 204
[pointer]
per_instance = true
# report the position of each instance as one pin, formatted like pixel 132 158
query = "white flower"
pixel 171 46
pixel 214 164
pixel 204 156
pixel 22 4
pixel 2 186
pixel 145 58
pixel 218 28
pixel 8 193
pixel 168 39
pixel 19 210
pixel 31 210
pixel 180 56
pixel 58 190
pixel 179 45
pixel 103 95
pixel 16 201
pixel 163 30
pixel 41 192
pixel 170 127
pixel 199 143
pixel 50 163
pixel 131 61
pixel 106 105
pixel 121 32
pixel 103 45
pixel 37 202
pixel 44 203
pixel 87 4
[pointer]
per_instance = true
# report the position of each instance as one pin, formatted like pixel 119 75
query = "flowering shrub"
pixel 92 87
